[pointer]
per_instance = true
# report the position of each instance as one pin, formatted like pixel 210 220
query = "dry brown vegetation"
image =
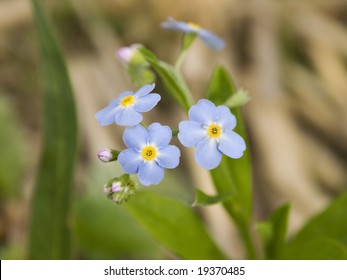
pixel 290 55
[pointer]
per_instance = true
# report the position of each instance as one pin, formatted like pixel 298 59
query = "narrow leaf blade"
pixel 49 232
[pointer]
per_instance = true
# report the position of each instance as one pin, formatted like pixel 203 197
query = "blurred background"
pixel 290 55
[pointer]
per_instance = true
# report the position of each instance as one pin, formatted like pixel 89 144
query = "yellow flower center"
pixel 149 153
pixel 127 100
pixel 214 130
pixel 194 25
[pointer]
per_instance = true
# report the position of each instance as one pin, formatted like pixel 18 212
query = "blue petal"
pixel 130 160
pixel 169 157
pixel 146 103
pixel 175 25
pixel 203 112
pixel 225 118
pixel 128 116
pixel 231 144
pixel 207 154
pixel 144 90
pixel 212 40
pixel 136 137
pixel 106 116
pixel 150 173
pixel 191 133
pixel 159 135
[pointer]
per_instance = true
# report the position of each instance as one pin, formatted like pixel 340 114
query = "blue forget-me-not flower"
pixel 126 109
pixel 210 131
pixel 211 40
pixel 148 152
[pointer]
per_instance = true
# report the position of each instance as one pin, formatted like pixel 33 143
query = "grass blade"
pixel 49 233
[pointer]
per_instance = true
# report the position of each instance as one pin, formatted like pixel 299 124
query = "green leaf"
pixel 273 232
pixel 204 199
pixel 175 225
pixel 328 224
pixel 221 86
pixel 319 248
pixel 171 78
pixel 49 231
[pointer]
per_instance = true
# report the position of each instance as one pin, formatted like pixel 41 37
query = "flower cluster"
pixel 148 152
pixel 209 129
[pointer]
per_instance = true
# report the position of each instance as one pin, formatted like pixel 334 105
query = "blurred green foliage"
pixel 103 230
pixel 324 236
pixel 50 208
pixel 174 223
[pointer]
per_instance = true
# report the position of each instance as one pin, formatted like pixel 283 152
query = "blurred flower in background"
pixel 210 39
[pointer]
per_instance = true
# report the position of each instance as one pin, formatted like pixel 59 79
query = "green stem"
pixel 175 132
pixel 244 229
pixel 180 59
pixel 141 123
pixel 187 94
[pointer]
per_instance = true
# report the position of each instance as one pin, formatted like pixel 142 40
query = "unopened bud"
pixel 136 64
pixel 116 187
pixel 107 155
pixel 120 189
pixel 126 54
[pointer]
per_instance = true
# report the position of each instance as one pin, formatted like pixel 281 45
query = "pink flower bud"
pixel 125 54
pixel 116 187
pixel 105 155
